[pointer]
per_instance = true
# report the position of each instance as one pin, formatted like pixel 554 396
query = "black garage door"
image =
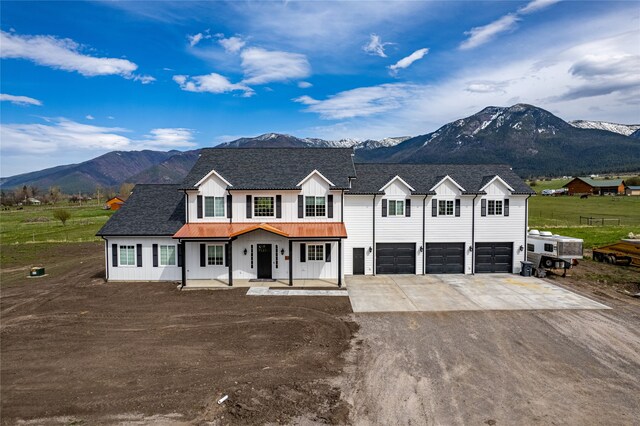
pixel 395 258
pixel 494 257
pixel 445 258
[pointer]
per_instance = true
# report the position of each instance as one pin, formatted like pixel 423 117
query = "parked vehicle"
pixel 548 251
pixel 624 252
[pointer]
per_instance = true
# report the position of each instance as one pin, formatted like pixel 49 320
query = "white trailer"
pixel 548 251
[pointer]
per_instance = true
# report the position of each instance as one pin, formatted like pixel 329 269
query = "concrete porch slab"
pixel 213 284
pixel 264 291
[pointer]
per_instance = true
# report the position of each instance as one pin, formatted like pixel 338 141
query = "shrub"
pixel 62 216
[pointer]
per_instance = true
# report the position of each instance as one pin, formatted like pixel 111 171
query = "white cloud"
pixel 90 117
pixel 232 44
pixel 264 66
pixel 211 83
pixel 304 84
pixel 375 46
pixel 481 35
pixel 64 54
pixel 197 38
pixel 486 86
pixel 61 134
pixel 362 102
pixel 111 117
pixel 407 61
pixel 19 100
pixel 536 5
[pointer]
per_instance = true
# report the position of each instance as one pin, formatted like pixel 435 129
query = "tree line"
pixel 28 195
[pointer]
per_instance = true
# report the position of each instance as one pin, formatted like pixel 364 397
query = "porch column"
pixel 340 263
pixel 290 263
pixel 230 262
pixel 184 263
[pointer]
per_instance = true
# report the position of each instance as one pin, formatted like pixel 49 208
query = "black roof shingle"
pixel 150 210
pixel 272 168
pixel 371 177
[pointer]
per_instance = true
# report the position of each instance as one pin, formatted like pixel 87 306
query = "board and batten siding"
pixel 147 272
pixel 358 220
pixel 503 228
pixel 242 263
pixel 450 229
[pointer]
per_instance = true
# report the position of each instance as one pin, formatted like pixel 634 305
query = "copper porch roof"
pixel 285 229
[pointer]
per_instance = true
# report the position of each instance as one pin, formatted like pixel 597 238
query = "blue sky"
pixel 79 79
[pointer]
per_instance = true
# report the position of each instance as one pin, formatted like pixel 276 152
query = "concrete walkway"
pixel 433 293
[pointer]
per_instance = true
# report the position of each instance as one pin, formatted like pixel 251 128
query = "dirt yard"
pixel 75 349
pixel 504 368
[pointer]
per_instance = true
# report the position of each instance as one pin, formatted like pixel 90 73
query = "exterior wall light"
pixel 470 249
pixel 521 248
pixel 244 251
pixel 421 249
pixel 282 252
pixel 370 249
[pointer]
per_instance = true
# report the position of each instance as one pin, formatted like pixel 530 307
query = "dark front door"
pixel 264 261
pixel 445 258
pixel 395 258
pixel 494 257
pixel 358 261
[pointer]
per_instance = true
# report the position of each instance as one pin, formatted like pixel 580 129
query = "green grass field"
pixel 36 224
pixel 561 215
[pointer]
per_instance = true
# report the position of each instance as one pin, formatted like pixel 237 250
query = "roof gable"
pixel 499 179
pixel 316 173
pixel 447 177
pixel 599 183
pixel 396 178
pixel 213 173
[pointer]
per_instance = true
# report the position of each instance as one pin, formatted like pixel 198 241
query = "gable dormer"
pixel 397 187
pixel 496 186
pixel 315 183
pixel 213 184
pixel 447 187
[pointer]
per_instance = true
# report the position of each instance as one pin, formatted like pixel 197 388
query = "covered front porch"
pixel 261 254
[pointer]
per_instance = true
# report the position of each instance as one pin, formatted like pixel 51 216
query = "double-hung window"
pixel 214 207
pixel 315 206
pixel 215 255
pixel 167 255
pixel 263 206
pixel 127 255
pixel 445 207
pixel 396 208
pixel 315 252
pixel 494 207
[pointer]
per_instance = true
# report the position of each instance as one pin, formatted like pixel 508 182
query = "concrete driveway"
pixel 434 293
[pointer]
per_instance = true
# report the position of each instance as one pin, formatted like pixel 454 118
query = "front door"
pixel 358 261
pixel 264 261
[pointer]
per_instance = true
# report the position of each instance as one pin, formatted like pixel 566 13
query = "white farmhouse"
pixel 311 213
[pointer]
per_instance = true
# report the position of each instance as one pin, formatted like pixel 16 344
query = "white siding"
pixel 147 272
pixel 358 220
pixel 212 187
pixel 503 228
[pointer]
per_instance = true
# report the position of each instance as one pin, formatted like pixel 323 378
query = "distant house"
pixel 632 190
pixel 34 201
pixel 114 203
pixel 585 185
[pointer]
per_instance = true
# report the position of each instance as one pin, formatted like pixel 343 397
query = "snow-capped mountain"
pixel 623 129
pixel 283 141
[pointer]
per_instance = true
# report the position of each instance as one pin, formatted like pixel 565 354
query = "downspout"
pixel 526 225
pixel 473 235
pixel 373 247
pixel 186 206
pixel 342 205
pixel 183 249
pixel 422 243
pixel 106 257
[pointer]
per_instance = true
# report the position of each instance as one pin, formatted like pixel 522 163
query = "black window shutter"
pixel 229 206
pixel 155 255
pixel 226 255
pixel 203 255
pixel 199 206
pixel 300 206
pixel 180 248
pixel 303 252
pixel 384 208
pixel 114 254
pixel 327 252
pixel 248 206
pixel 483 207
pixel 330 206
pixel 278 206
pixel 506 207
pixel 434 207
pixel 407 207
pixel 139 255
pixel 458 207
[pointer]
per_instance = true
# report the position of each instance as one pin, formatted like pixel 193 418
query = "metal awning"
pixel 298 230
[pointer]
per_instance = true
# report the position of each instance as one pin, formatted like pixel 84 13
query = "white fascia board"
pixel 496 177
pixel 213 172
pixel 447 177
pixel 315 171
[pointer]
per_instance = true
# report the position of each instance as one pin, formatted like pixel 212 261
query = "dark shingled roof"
pixel 272 168
pixel 150 210
pixel 422 177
